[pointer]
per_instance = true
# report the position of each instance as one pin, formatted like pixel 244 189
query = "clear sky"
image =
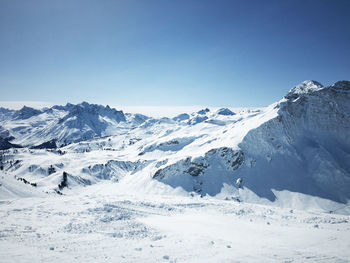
pixel 166 53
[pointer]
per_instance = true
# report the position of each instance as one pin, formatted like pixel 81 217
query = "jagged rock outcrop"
pixel 203 174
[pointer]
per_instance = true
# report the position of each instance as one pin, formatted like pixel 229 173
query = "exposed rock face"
pixel 64 181
pixel 188 172
pixel 342 85
pixel 5 144
pixel 47 145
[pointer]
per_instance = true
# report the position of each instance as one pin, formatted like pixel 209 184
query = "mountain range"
pixel 293 153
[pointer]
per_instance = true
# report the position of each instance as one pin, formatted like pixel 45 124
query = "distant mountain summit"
pixel 64 124
pixel 92 119
pixel 25 113
pixel 225 111
pixel 85 110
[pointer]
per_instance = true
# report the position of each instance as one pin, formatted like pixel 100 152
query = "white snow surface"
pixel 103 224
pixel 125 187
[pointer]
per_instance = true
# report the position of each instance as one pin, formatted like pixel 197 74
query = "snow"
pixel 100 224
pixel 222 185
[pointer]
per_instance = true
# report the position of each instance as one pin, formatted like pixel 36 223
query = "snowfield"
pixel 99 224
pixel 90 183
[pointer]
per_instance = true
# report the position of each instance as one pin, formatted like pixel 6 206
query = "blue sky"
pixel 167 53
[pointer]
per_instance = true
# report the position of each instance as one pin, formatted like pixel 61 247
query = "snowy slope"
pixel 293 153
pixel 101 224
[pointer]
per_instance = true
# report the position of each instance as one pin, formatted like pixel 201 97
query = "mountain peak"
pixel 203 111
pixel 225 111
pixel 26 113
pixel 342 85
pixel 306 87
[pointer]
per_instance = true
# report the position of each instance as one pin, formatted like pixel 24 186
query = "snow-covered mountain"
pixel 293 153
pixel 65 124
